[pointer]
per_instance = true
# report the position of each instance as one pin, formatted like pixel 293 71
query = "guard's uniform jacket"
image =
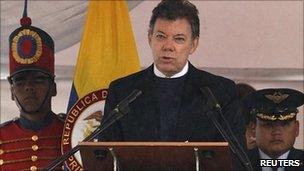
pixel 26 149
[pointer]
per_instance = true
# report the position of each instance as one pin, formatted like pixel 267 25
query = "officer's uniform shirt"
pixel 265 156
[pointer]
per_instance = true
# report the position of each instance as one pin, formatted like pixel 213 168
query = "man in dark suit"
pixel 172 107
pixel 276 128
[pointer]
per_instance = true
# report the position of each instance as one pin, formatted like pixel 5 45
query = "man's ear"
pixel 11 88
pixel 150 34
pixel 53 89
pixel 297 128
pixel 194 43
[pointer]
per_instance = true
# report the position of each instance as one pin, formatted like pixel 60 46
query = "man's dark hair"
pixel 176 9
pixel 243 90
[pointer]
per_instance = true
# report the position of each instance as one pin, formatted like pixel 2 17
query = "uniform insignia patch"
pixel 277 97
pixel 27 47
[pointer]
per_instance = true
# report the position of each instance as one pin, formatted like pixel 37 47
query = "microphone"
pixel 123 106
pixel 118 112
pixel 215 114
pixel 211 100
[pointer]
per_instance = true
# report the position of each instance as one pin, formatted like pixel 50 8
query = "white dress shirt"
pixel 158 73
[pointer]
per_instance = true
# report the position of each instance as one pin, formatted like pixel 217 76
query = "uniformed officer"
pixel 276 129
pixel 33 140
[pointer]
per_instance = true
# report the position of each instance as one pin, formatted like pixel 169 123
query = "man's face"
pixel 276 138
pixel 171 43
pixel 30 88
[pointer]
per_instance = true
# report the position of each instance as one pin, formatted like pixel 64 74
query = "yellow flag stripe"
pixel 108 49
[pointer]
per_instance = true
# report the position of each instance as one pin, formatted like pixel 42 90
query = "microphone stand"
pixel 118 112
pixel 227 132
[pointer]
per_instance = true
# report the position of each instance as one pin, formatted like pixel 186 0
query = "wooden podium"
pixel 155 156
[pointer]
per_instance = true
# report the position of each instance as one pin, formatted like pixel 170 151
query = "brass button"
pixel 35 147
pixel 1 162
pixel 34 158
pixel 34 137
pixel 1 151
pixel 33 168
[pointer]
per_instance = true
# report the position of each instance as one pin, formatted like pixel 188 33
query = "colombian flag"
pixel 107 52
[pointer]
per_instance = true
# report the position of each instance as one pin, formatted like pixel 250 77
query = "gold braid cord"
pixel 274 117
pixel 29 148
pixel 27 139
pixel 26 159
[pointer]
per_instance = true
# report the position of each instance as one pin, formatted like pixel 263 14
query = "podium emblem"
pixel 82 119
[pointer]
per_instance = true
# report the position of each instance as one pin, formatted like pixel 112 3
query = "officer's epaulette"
pixel 8 122
pixel 61 116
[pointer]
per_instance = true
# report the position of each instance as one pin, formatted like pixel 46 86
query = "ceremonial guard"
pixel 33 140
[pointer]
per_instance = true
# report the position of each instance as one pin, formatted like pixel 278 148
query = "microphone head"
pixel 211 100
pixel 135 93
